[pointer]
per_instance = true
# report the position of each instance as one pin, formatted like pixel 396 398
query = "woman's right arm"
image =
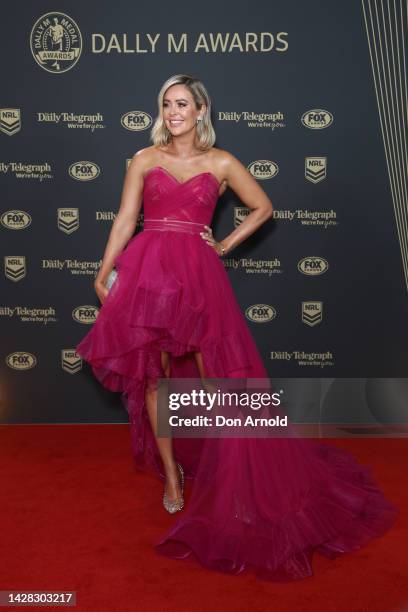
pixel 125 223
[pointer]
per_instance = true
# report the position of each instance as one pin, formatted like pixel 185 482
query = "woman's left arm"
pixel 252 195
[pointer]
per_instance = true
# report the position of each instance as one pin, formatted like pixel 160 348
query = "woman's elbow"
pixel 268 211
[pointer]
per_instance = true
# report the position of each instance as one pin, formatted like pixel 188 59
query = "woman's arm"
pixel 125 223
pixel 251 194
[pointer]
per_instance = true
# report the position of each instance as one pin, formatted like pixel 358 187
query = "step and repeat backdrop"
pixel 313 101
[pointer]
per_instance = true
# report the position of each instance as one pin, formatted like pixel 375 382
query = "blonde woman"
pixel 265 503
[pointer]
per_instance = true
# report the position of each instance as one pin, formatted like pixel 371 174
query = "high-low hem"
pixel 263 503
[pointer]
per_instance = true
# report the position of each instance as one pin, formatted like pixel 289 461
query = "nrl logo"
pixel 240 212
pixel 14 267
pixel 68 219
pixel 315 169
pixel 10 120
pixel 312 313
pixel 70 361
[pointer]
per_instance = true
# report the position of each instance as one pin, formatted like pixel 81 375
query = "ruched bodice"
pixel 192 201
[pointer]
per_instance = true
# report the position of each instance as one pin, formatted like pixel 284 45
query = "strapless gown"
pixel 259 504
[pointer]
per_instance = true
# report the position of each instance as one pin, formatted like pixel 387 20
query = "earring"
pixel 199 119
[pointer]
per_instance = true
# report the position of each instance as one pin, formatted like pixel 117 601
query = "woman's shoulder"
pixel 145 153
pixel 222 154
pixel 222 157
pixel 144 158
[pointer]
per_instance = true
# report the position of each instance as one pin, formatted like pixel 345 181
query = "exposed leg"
pixel 164 445
pixel 208 386
pixel 200 365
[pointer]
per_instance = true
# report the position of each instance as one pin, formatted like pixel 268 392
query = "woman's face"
pixel 179 110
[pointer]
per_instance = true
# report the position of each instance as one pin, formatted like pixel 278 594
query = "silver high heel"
pixel 177 504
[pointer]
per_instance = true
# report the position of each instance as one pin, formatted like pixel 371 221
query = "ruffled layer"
pixel 171 294
pixel 264 503
pixel 276 520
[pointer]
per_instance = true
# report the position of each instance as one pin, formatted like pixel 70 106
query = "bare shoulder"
pixel 227 164
pixel 143 159
pixel 219 156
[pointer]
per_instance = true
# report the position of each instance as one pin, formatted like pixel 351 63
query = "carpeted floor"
pixel 76 515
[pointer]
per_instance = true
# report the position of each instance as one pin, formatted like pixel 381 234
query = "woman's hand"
pixel 210 240
pixel 101 290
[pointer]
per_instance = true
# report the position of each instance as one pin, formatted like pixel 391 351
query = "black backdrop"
pixel 304 89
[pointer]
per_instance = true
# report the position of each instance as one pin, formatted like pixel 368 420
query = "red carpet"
pixel 76 515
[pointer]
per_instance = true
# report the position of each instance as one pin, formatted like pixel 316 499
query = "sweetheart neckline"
pixel 186 181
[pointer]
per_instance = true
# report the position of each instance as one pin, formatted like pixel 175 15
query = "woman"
pixel 261 503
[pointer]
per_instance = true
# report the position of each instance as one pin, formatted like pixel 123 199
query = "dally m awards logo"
pixel 68 219
pixel 136 121
pixel 315 169
pixel 263 169
pixel 14 267
pixel 56 42
pixel 10 120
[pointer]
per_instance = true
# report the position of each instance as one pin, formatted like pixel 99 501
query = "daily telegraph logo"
pixel 68 219
pixel 56 42
pixel 254 120
pixel 71 362
pixel 10 120
pixel 263 169
pixel 313 266
pixel 84 171
pixel 315 169
pixel 85 314
pixel 20 360
pixel 14 267
pixel 260 313
pixel 317 119
pixel 28 171
pixel 312 313
pixel 136 121
pixel 15 219
pixel 73 121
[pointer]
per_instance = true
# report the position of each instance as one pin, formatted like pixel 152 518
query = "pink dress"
pixel 264 504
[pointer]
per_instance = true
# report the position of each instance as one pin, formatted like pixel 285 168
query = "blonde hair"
pixel 160 135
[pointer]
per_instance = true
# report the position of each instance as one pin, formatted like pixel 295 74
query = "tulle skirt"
pixel 265 504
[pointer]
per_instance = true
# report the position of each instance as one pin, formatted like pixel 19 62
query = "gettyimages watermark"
pixel 282 407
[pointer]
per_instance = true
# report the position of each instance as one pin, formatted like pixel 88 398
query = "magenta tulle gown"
pixel 259 504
